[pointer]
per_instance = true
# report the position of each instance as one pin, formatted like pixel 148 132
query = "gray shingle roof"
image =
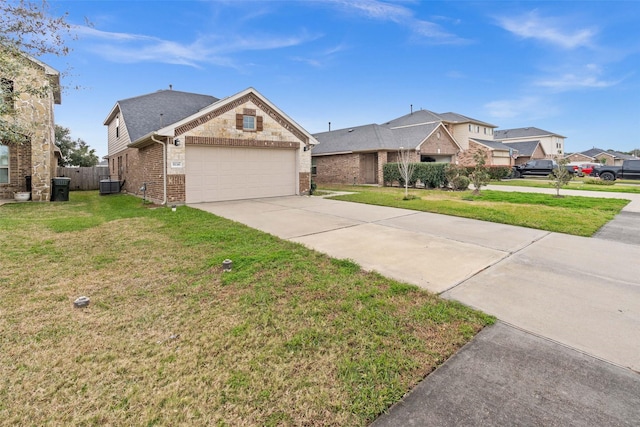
pixel 522 133
pixel 360 138
pixel 593 152
pixel 407 131
pixel 459 118
pixel 147 113
pixel 525 148
pixel 417 117
pixel 494 145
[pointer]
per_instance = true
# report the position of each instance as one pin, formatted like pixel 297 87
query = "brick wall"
pixel 176 192
pixel 465 158
pixel 337 169
pixel 19 168
pixel 304 179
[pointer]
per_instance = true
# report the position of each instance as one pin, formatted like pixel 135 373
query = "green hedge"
pixel 430 175
pixel 496 173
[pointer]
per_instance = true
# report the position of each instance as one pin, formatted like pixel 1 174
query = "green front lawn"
pixel 289 337
pixel 581 216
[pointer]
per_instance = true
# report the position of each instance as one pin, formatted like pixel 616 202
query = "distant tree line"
pixel 74 152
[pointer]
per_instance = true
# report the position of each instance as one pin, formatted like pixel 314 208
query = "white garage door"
pixel 224 173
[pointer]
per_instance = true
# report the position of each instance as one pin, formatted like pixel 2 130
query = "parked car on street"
pixel 630 169
pixel 586 168
pixel 541 167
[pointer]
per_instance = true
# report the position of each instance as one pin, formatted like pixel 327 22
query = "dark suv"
pixel 537 168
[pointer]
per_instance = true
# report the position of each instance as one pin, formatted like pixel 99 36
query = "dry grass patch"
pixel 289 337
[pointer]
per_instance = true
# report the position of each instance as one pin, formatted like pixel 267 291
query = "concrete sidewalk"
pixel 507 377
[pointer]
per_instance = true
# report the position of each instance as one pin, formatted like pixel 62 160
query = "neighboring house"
pixel 597 155
pixel 357 155
pixel 552 143
pixel 180 147
pixel 32 162
pixel 526 150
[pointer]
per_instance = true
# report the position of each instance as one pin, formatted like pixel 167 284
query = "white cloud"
pixel 550 30
pixel 132 48
pixel 321 59
pixel 587 77
pixel 527 108
pixel 401 15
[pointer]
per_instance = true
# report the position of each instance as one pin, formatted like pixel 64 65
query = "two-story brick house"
pixel 188 148
pixel 357 155
pixel 30 158
pixel 552 143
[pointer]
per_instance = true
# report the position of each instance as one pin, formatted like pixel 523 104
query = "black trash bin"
pixel 60 189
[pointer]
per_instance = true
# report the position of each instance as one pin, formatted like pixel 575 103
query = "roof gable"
pixel 222 106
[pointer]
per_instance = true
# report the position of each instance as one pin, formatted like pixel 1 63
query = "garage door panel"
pixel 224 173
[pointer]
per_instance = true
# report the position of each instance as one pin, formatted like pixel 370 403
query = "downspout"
pixel 164 167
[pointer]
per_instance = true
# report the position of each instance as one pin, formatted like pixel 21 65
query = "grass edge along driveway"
pixel 580 216
pixel 288 337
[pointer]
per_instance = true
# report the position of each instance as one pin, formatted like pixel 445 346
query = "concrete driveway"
pixel 581 294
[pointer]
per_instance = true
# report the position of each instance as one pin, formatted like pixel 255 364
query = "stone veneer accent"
pixel 40 163
pixel 250 97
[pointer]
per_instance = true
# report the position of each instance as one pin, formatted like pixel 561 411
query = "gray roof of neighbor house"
pixel 146 113
pixel 525 148
pixel 595 151
pixel 494 145
pixel 459 118
pixel 426 116
pixel 407 131
pixel 522 133
pixel 372 138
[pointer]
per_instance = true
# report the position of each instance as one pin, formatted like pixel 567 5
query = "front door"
pixel 369 168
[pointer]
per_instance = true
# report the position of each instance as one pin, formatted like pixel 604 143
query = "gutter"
pixel 164 167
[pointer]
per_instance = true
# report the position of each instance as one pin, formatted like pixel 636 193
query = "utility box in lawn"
pixel 60 189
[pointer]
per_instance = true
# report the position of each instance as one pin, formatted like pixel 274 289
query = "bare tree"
pixel 561 175
pixel 406 168
pixel 480 175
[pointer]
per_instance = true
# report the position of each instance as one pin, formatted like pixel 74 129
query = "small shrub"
pixel 410 197
pixel 594 181
pixel 460 183
pixel 496 173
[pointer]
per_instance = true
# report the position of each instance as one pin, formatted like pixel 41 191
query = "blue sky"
pixel 568 67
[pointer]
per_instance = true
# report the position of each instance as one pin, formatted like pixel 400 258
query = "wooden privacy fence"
pixel 84 178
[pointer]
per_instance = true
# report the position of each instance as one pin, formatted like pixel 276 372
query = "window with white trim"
pixel 248 122
pixel 4 164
